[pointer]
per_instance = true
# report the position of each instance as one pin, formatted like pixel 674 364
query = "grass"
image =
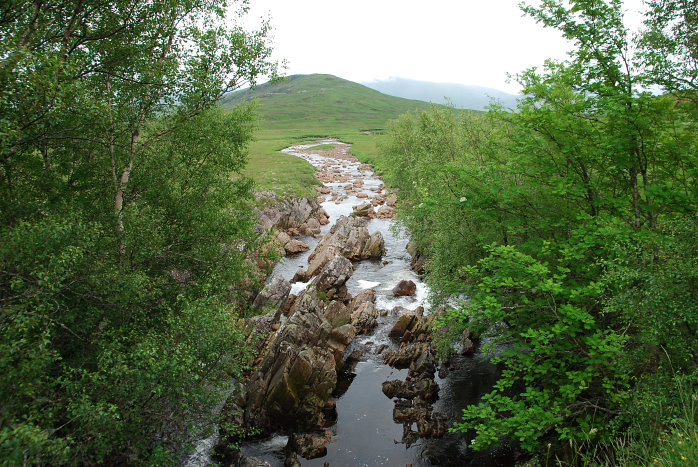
pixel 308 108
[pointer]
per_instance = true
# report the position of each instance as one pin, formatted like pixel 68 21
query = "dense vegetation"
pixel 125 247
pixel 571 227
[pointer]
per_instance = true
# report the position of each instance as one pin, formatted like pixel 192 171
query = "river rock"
pixel 363 312
pixel 349 237
pixel 310 227
pixel 426 389
pixel 287 212
pixel 385 212
pixel 333 276
pixel 362 210
pixel 403 357
pixel 337 314
pixel 403 324
pixel 273 294
pixel 405 288
pixel 295 246
pixel 308 445
pixel 297 374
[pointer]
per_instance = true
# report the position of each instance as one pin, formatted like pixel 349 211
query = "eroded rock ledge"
pixel 349 237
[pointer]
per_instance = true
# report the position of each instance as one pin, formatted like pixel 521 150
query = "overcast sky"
pixel 449 41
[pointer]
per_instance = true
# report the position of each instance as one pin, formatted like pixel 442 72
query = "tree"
pixel 566 227
pixel 126 230
pixel 669 45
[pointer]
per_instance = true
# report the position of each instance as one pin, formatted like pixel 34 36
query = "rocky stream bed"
pixel 346 374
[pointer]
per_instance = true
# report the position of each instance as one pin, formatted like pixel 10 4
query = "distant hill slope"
pixel 322 101
pixel 462 96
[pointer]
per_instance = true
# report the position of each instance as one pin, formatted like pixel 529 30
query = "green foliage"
pixel 570 228
pixel 126 235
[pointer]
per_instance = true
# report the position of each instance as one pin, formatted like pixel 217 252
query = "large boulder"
pixel 404 322
pixel 287 212
pixel 274 293
pixel 349 238
pixel 405 288
pixel 363 311
pixel 295 246
pixel 333 276
pixel 297 373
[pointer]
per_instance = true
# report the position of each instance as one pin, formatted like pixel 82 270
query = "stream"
pixel 364 433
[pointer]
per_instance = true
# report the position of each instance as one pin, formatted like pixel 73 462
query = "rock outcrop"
pixel 418 259
pixel 274 294
pixel 333 276
pixel 364 314
pixel 292 383
pixel 415 395
pixel 297 374
pixel 349 238
pixel 289 213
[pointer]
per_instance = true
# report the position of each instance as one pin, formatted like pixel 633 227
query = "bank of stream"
pixel 364 432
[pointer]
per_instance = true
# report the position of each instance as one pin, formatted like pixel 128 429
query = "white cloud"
pixel 458 41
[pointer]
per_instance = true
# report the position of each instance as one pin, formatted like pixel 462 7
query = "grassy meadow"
pixel 305 108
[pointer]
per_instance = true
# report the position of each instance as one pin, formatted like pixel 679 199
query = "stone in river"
pixel 404 289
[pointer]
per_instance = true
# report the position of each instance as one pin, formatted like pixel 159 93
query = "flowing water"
pixel 364 433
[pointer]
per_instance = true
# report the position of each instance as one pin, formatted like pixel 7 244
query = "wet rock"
pixel 309 445
pixel 287 212
pixel 297 374
pixel 294 247
pixel 337 314
pixel 405 288
pixel 385 212
pixel 333 276
pixel 403 323
pixel 425 389
pixel 391 199
pixel 424 366
pixel 362 210
pixel 363 312
pixel 349 237
pixel 274 294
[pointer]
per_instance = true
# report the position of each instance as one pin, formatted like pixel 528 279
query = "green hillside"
pixel 322 102
pixel 309 107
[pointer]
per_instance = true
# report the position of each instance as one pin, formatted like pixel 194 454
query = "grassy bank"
pixel 312 107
